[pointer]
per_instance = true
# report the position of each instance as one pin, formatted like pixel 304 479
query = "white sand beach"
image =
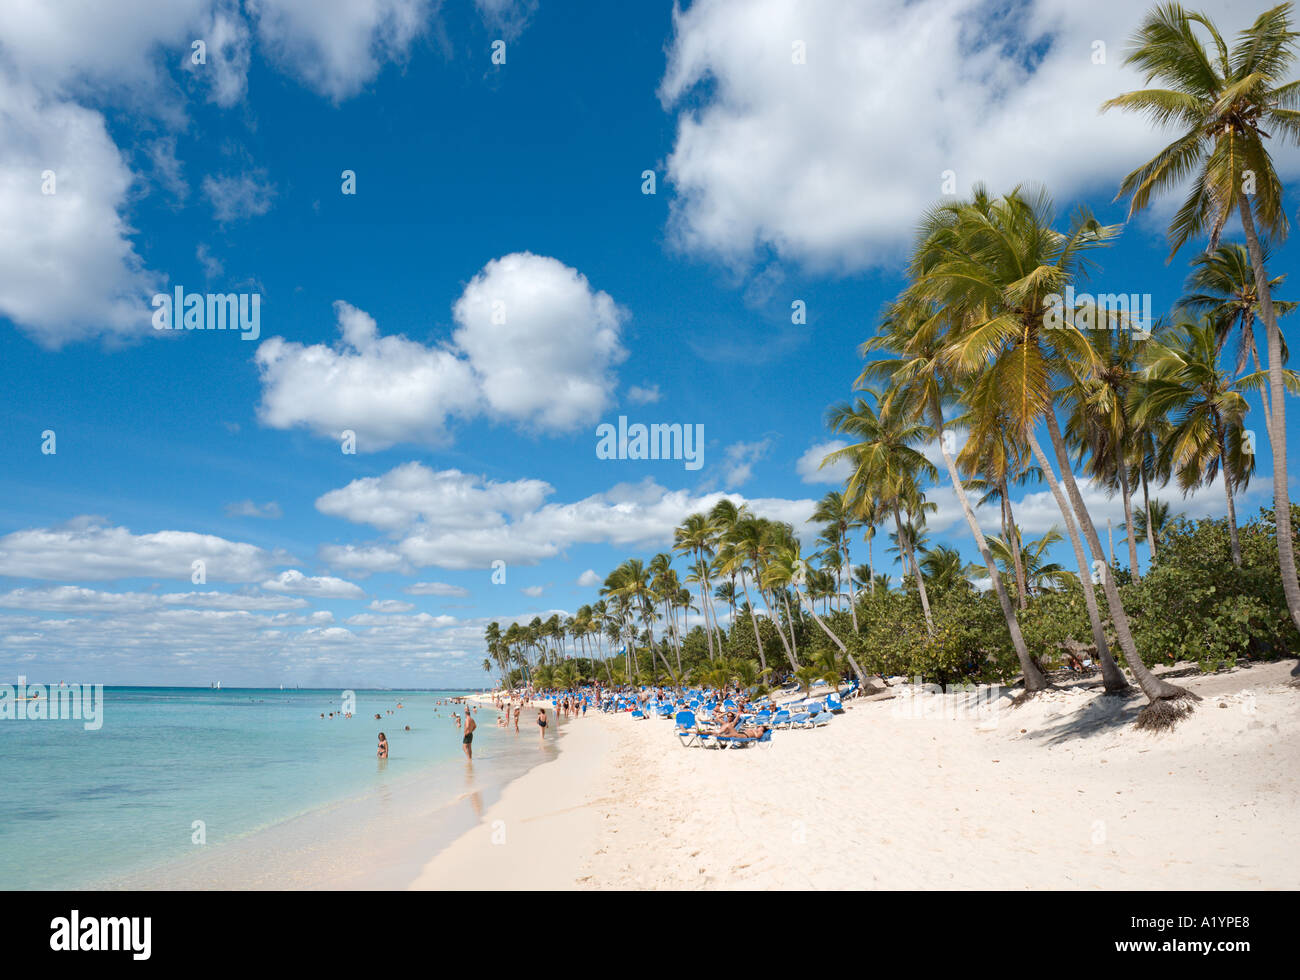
pixel 914 792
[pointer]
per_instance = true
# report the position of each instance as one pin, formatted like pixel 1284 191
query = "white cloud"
pixel 385 389
pixel 391 606
pixel 509 17
pixel 810 469
pixel 639 395
pixel 235 198
pixel 226 36
pixel 739 460
pixel 436 588
pixel 455 520
pixel 532 590
pixel 336 47
pixel 86 550
pixel 249 508
pixel 74 599
pixel 588 579
pixel 68 270
pixel 436 498
pixel 830 163
pixel 541 341
pixel 294 582
pixel 534 345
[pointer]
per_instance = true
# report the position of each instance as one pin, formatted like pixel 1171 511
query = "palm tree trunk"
pixel 1277 432
pixel 1151 531
pixel 1234 541
pixel 1153 687
pixel 906 548
pixel 863 681
pixel 753 618
pixel 853 592
pixel 1034 679
pixel 1013 538
pixel 771 605
pixel 871 564
pixel 1122 469
pixel 794 644
pixel 1112 677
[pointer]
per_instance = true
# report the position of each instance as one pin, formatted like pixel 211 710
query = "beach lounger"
pixel 743 741
pixel 684 728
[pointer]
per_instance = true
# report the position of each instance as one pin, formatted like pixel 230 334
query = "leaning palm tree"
pixel 1005 264
pixel 1099 422
pixel 922 379
pixel 1225 105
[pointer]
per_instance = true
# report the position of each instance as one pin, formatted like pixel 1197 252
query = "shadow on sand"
pixel 1101 713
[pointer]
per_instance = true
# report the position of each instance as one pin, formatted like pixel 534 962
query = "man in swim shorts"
pixel 467 742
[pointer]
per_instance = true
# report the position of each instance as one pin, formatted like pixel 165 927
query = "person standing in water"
pixel 541 723
pixel 383 746
pixel 467 742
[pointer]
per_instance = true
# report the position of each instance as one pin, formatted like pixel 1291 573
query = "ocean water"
pixel 285 798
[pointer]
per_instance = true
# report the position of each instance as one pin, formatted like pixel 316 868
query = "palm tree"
pixel 696 536
pixel 1042 575
pixel 1099 423
pixel 885 466
pixel 922 379
pixel 1222 287
pixel 743 544
pixel 944 568
pixel 835 511
pixel 1154 521
pixel 1225 105
pixel 1207 433
pixel 1005 265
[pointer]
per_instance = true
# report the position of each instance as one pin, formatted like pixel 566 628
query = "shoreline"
pixel 536 835
pixel 916 792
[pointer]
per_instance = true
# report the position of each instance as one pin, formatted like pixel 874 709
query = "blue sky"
pixel 517 184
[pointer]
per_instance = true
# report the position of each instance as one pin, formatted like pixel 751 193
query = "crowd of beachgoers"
pixel 701 716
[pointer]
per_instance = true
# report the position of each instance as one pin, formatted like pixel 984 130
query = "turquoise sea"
pixel 284 798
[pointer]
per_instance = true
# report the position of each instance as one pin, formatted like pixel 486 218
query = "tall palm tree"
pixel 1002 261
pixel 1206 437
pixel 1222 287
pixel 886 466
pixel 696 537
pixel 1225 106
pixel 742 546
pixel 921 379
pixel 834 510
pixel 1099 420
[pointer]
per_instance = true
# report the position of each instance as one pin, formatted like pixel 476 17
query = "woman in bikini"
pixel 541 723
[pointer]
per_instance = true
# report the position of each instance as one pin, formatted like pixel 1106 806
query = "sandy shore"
pixel 922 791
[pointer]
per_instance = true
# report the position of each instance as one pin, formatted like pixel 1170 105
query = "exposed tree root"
pixel 1164 713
